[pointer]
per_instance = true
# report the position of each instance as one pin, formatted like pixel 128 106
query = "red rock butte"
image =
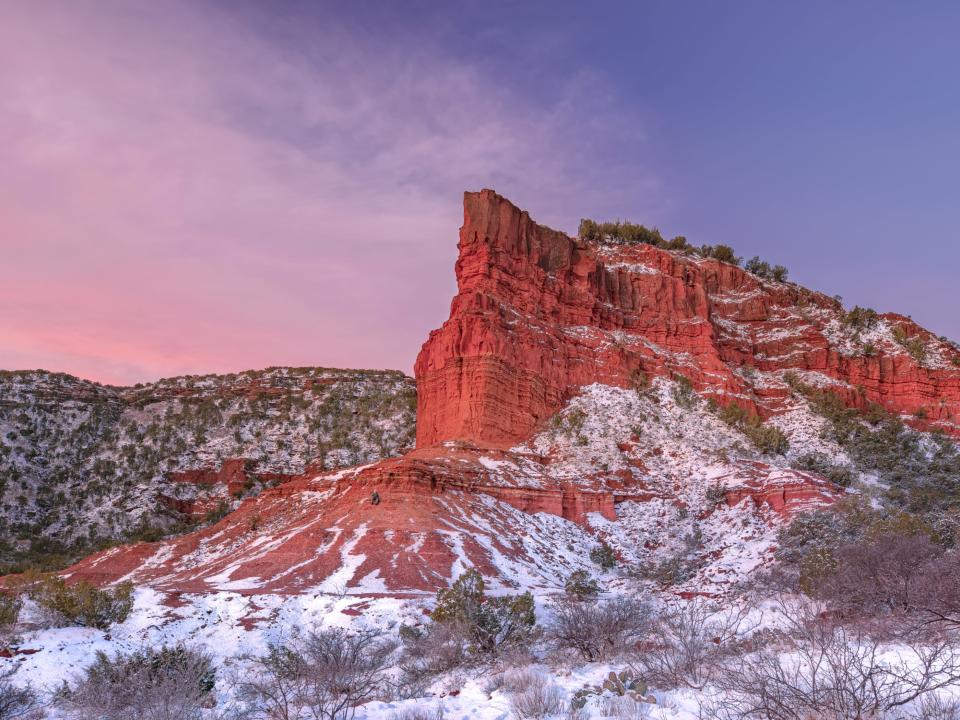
pixel 539 316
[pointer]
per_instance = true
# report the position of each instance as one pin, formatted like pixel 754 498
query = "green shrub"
pixel 830 406
pixel 860 318
pixel 916 348
pixel 620 233
pixel 82 603
pixel 639 381
pixel 757 266
pixel 10 606
pixel 682 392
pixel 570 423
pixel 921 473
pixel 768 439
pixel 820 464
pixel 574 420
pixel 723 253
pixel 489 622
pixel 901 523
pixel 733 414
pixel 716 494
pixel 218 513
pixel 806 546
pixel 815 568
pixel 628 233
pixel 673 570
pixel 679 566
pixel 409 633
pixel 604 556
pixel 581 585
pixel 763 269
pixel 827 527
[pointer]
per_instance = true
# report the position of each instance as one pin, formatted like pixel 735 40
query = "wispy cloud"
pixel 180 192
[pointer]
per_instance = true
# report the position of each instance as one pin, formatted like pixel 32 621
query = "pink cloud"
pixel 179 195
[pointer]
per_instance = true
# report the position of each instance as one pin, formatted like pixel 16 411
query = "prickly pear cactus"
pixel 625 683
pixel 581 697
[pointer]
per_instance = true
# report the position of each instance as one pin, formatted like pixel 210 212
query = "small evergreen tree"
pixel 83 604
pixel 490 623
pixel 604 556
pixel 860 318
pixel 581 585
pixel 758 267
pixel 723 253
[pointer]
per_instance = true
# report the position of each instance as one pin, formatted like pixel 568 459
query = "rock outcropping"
pixel 550 415
pixel 540 314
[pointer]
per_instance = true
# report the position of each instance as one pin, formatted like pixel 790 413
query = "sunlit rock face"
pixel 540 314
pixel 551 416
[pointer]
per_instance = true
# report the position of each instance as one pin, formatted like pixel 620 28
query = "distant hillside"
pixel 82 464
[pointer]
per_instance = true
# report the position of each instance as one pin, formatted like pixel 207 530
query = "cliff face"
pixel 540 314
pixel 550 416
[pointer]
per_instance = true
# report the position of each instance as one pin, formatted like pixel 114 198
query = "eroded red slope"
pixel 438 512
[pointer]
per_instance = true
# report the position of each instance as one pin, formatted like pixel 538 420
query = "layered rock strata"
pixel 540 314
pixel 538 317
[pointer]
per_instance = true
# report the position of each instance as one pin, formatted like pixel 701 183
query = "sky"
pixel 195 187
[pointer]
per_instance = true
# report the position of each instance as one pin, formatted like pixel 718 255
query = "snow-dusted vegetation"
pixel 581 653
pixel 82 464
pixel 698 601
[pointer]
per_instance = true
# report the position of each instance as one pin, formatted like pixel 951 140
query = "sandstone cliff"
pixel 552 414
pixel 540 314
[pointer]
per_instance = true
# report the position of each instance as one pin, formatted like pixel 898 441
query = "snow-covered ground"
pixel 667 461
pixel 670 458
pixel 234 627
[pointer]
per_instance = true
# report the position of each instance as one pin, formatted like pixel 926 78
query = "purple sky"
pixel 190 188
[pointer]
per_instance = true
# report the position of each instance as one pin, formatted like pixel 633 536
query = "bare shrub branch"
pixel 935 707
pixel 324 675
pixel 427 653
pixel 596 631
pixel 420 712
pixel 880 576
pixel 17 701
pixel 690 641
pixel 165 684
pixel 823 669
pixel 624 708
pixel 894 582
pixel 533 695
